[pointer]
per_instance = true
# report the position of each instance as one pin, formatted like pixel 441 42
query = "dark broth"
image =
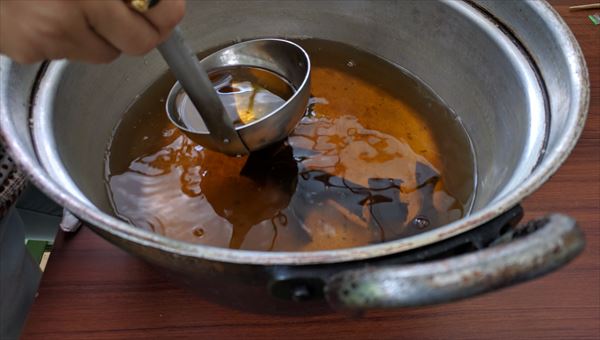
pixel 377 157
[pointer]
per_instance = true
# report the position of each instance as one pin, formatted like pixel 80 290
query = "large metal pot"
pixel 511 69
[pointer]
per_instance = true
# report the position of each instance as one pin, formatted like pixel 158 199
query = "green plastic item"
pixel 37 249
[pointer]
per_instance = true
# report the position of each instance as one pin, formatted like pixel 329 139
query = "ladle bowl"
pixel 285 58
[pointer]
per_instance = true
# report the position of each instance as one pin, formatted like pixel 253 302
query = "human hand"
pixel 95 31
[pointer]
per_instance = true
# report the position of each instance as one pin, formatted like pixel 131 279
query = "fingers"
pixel 165 16
pixel 125 29
pixel 16 49
pixel 87 45
pixel 93 30
pixel 94 49
pixel 52 30
pixel 79 41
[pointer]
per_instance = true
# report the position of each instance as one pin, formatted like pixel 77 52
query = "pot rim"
pixel 552 160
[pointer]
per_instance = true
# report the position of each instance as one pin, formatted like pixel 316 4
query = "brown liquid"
pixel 377 157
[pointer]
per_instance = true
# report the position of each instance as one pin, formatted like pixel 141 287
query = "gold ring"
pixel 140 5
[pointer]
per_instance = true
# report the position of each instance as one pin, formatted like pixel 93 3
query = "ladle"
pixel 282 57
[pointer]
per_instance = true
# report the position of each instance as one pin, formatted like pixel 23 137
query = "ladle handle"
pixel 557 241
pixel 193 78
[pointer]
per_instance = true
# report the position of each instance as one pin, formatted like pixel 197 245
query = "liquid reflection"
pixel 333 184
pixel 363 166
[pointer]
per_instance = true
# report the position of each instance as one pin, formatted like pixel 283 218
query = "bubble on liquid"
pixel 351 63
pixel 145 138
pixel 169 133
pixel 162 100
pixel 421 222
pixel 198 232
pixel 317 100
pixel 226 140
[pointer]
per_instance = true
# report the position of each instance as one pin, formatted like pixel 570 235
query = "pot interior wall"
pixel 454 49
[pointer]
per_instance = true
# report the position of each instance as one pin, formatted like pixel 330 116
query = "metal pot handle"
pixel 556 240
